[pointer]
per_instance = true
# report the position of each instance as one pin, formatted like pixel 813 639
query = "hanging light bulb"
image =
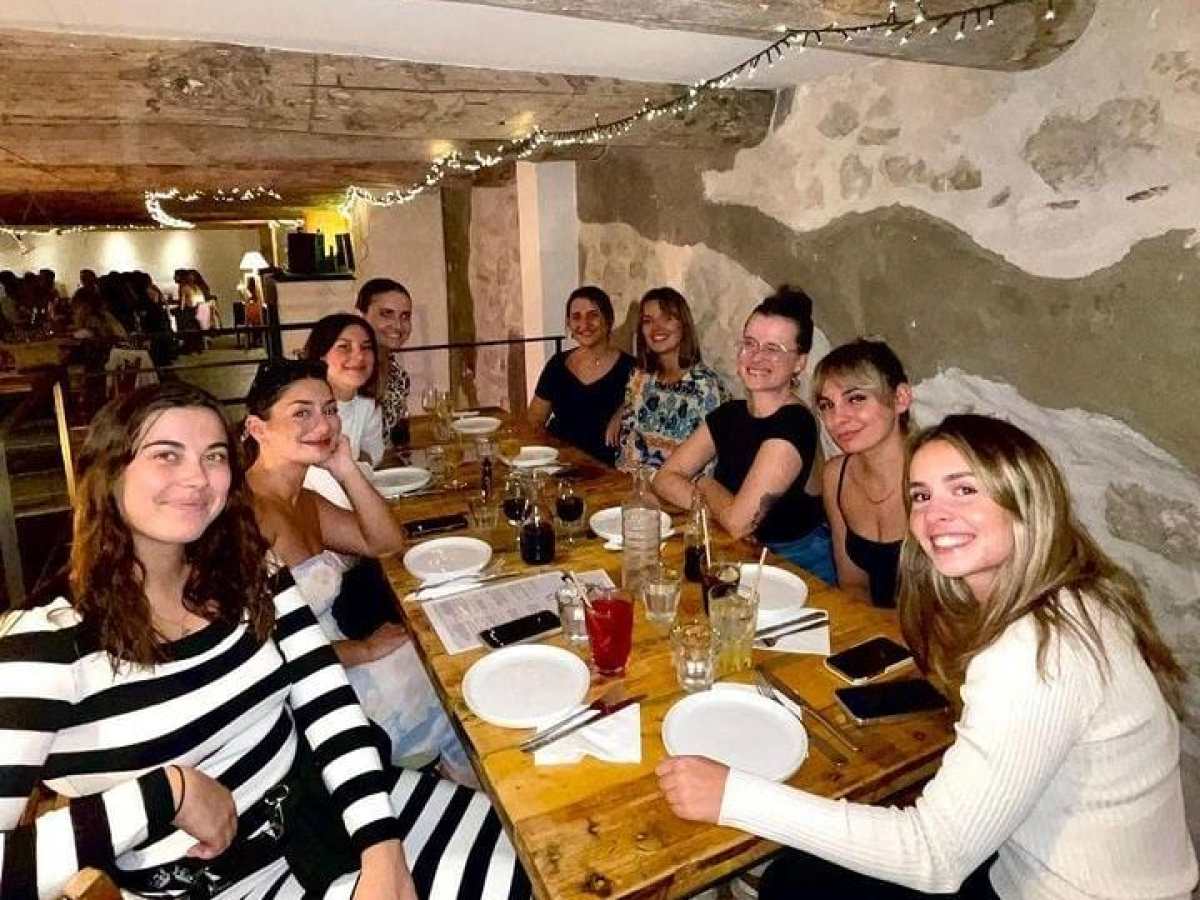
pixel 962 29
pixel 1050 15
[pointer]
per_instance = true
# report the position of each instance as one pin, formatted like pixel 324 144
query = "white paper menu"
pixel 458 619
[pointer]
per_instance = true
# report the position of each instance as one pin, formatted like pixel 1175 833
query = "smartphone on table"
pixel 890 701
pixel 434 525
pixel 869 660
pixel 526 628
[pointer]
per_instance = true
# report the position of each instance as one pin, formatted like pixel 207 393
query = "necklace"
pixel 862 485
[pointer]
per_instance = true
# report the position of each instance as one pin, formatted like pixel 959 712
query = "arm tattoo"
pixel 764 507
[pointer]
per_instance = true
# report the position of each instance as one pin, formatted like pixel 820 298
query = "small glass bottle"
pixel 693 541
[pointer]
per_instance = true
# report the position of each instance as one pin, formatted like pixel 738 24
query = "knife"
pixel 809 709
pixel 447 589
pixel 815 615
pixel 775 637
pixel 538 744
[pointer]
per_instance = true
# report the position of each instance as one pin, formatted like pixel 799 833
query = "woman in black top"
pixel 580 389
pixel 863 396
pixel 765 445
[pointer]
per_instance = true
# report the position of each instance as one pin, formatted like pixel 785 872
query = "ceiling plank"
pixel 1020 39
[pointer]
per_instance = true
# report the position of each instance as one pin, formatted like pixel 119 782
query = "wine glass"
pixel 429 399
pixel 454 458
pixel 515 501
pixel 569 507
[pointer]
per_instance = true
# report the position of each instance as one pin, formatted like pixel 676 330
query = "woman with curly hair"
pixel 192 713
pixel 1063 780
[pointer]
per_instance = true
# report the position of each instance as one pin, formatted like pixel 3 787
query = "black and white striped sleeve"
pixel 36 695
pixel 330 719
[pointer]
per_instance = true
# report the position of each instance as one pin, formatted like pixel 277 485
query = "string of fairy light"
pixel 905 27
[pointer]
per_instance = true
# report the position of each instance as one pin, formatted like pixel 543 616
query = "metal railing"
pixel 44 390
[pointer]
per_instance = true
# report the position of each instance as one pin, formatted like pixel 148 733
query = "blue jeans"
pixel 813 552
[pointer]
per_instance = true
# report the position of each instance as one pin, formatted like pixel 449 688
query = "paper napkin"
pixel 617 739
pixel 815 641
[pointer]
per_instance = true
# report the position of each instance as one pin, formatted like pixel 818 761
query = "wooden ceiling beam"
pixel 1021 39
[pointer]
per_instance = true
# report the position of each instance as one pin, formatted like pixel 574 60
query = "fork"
pixel 766 690
pixel 613 695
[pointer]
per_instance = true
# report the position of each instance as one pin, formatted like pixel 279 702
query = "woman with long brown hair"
pixel 191 710
pixel 671 390
pixel 1063 781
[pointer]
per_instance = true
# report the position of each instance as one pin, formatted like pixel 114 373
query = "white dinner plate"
pixel 525 686
pixel 476 425
pixel 393 483
pixel 533 455
pixel 606 523
pixel 781 594
pixel 738 727
pixel 444 559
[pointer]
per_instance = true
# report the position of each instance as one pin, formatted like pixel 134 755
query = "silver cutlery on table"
pixel 777 636
pixel 834 755
pixel 614 694
pixel 805 618
pixel 778 684
pixel 452 586
pixel 611 709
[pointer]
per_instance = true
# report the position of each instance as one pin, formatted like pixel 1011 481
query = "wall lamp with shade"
pixel 253 261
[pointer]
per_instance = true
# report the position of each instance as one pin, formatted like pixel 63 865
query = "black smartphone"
pixel 434 525
pixel 870 659
pixel 890 700
pixel 523 629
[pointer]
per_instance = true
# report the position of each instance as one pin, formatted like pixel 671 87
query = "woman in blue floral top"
pixel 671 391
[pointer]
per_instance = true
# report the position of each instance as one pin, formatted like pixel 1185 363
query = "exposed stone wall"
pixel 1027 243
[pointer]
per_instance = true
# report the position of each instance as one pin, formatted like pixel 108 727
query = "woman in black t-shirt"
pixel 765 446
pixel 580 389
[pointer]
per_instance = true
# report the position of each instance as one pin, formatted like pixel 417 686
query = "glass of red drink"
pixel 609 618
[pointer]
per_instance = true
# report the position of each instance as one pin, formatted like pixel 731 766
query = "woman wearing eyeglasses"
pixel 765 446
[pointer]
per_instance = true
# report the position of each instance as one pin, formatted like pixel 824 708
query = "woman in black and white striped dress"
pixel 195 715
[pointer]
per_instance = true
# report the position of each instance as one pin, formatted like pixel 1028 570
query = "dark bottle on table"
pixel 693 562
pixel 400 433
pixel 485 478
pixel 537 531
pixel 693 541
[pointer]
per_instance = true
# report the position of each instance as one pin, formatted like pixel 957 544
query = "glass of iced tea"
pixel 608 615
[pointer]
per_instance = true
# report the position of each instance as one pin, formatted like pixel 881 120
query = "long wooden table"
pixel 601 830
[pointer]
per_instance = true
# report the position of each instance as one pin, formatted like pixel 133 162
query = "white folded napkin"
pixel 815 641
pixel 617 739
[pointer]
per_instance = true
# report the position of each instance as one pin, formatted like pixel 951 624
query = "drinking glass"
pixel 515 502
pixel 570 610
pixel 435 461
pixel 694 653
pixel 718 578
pixel 484 514
pixel 429 399
pixel 510 447
pixel 734 616
pixel 454 458
pixel 660 593
pixel 608 615
pixel 569 509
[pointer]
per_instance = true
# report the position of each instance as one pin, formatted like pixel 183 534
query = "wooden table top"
pixel 602 830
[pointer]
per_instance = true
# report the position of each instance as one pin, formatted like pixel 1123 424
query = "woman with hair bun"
pixel 1063 780
pixel 863 397
pixel 765 446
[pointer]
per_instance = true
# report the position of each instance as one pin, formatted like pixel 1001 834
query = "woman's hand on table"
pixel 694 787
pixel 206 811
pixel 384 874
pixel 612 433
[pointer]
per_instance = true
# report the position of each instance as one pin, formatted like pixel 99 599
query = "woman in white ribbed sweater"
pixel 1063 781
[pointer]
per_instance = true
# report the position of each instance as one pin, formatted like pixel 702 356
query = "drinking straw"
pixel 707 542
pixel 762 558
pixel 579 589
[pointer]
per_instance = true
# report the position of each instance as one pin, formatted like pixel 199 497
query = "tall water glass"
pixel 660 593
pixel 734 616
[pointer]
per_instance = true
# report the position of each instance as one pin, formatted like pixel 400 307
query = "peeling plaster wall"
pixel 1027 243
